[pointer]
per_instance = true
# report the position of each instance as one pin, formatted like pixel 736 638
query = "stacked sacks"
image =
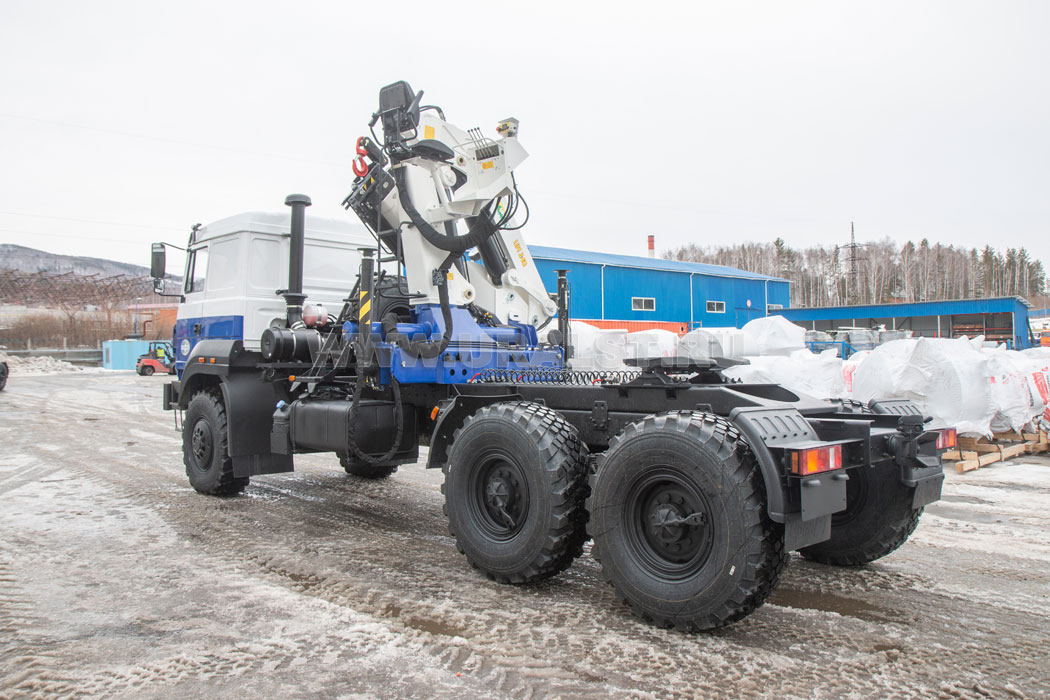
pixel 1018 386
pixel 597 348
pixel 773 335
pixel 947 379
pixel 803 372
pixel 710 343
pixel 655 342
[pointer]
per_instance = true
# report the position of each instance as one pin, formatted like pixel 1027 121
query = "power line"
pixel 91 221
pixel 69 235
pixel 178 142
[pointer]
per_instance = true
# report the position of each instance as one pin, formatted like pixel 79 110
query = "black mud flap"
pixel 823 494
pixel 799 533
pixel 254 465
pixel 250 405
pixel 928 484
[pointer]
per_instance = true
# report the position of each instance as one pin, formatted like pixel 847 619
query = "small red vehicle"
pixel 159 359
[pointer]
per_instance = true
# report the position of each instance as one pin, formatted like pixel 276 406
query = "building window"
pixel 716 307
pixel 774 307
pixel 643 304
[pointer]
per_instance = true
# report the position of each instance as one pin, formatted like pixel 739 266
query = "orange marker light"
pixel 816 460
pixel 434 413
pixel 291 378
pixel 212 360
pixel 201 360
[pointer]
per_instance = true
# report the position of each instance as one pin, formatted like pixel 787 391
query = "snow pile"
pixel 36 365
pixel 773 335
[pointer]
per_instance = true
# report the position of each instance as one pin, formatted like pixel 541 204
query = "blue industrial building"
pixel 1002 319
pixel 639 293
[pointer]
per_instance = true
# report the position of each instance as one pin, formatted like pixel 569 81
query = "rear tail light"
pixel 816 460
pixel 947 439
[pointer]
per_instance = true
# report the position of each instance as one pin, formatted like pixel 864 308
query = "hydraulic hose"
pixel 425 349
pixel 451 244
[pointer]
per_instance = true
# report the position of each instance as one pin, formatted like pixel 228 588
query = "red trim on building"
pixel 631 326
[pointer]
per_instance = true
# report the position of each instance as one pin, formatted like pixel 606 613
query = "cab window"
pixel 196 269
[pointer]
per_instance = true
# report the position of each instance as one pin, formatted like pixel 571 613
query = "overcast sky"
pixel 127 122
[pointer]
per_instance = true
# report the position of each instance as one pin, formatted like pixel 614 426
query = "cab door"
pixel 189 323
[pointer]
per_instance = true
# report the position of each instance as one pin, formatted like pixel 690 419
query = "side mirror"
pixel 157 262
pixel 158 287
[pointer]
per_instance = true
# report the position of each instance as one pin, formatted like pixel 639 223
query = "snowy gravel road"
pixel 118 581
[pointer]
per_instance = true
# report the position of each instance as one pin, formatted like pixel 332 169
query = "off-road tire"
pixel 356 467
pixel 729 563
pixel 537 458
pixel 878 519
pixel 4 371
pixel 147 371
pixel 204 446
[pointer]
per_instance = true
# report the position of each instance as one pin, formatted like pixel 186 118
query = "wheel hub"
pixel 669 524
pixel 200 444
pixel 503 498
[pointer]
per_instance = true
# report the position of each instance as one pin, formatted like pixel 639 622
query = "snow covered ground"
pixel 117 580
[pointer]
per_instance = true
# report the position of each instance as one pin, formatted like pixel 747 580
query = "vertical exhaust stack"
pixel 564 327
pixel 294 297
pixel 652 246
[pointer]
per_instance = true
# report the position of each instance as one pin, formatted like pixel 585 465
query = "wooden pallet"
pixel 974 453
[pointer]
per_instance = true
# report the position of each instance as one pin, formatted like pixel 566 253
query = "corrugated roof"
pixel 587 256
pixel 942 307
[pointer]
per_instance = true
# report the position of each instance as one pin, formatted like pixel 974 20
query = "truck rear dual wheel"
pixel 678 517
pixel 204 446
pixel 515 489
pixel 878 519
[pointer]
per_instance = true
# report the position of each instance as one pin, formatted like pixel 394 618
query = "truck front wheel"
pixel 877 520
pixel 678 517
pixel 515 487
pixel 204 446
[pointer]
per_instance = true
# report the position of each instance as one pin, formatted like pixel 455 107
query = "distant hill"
pixel 16 257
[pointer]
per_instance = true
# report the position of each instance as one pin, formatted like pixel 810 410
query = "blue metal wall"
pixel 122 354
pixel 863 315
pixel 681 297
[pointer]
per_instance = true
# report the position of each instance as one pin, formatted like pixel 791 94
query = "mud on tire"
pixel 679 522
pixel 878 519
pixel 204 446
pixel 515 488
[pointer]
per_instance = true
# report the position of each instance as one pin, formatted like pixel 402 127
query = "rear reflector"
pixel 816 459
pixel 947 439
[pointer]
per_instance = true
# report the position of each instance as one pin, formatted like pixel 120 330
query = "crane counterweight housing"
pixel 694 488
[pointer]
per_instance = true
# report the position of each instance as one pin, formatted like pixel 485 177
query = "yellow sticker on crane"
pixel 488 164
pixel 428 132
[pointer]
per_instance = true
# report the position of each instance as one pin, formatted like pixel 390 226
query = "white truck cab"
pixel 236 266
